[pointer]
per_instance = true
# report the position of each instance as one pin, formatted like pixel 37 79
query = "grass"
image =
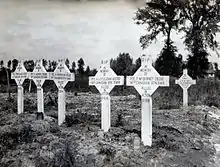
pixel 205 92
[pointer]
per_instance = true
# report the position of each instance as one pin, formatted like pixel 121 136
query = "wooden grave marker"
pixel 146 80
pixel 105 80
pixel 19 75
pixel 39 75
pixel 61 76
pixel 185 81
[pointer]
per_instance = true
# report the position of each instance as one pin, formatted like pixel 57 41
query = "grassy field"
pixel 180 137
pixel 206 92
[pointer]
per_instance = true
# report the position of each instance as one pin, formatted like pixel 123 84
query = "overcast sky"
pixel 91 30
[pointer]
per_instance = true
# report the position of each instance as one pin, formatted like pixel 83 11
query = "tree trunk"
pixel 30 87
pixel 124 86
pixel 8 84
pixel 168 38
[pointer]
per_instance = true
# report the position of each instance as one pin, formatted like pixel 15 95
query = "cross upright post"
pixel 105 80
pixel 146 80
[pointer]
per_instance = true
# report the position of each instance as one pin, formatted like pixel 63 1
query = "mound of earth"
pixel 181 137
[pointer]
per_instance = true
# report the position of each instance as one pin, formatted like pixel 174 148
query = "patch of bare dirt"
pixel 181 137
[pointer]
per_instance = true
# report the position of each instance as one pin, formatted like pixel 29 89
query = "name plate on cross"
pixel 185 81
pixel 146 80
pixel 106 79
pixel 61 76
pixel 39 74
pixel 20 74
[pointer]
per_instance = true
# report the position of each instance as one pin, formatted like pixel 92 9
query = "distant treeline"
pixel 81 73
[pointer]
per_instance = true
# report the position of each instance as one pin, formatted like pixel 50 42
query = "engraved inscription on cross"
pixel 61 75
pixel 146 80
pixel 20 74
pixel 106 79
pixel 39 74
pixel 185 81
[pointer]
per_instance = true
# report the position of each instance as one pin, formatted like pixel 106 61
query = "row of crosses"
pixel 146 80
pixel 61 76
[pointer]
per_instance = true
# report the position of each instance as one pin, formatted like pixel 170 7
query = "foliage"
pixel 80 66
pixel 14 64
pixel 168 63
pixel 1 63
pixel 9 64
pixel 198 19
pixel 160 17
pixel 81 81
pixel 93 72
pixel 137 65
pixel 29 65
pixel 67 62
pixel 217 71
pixel 122 65
pixel 198 65
pixel 87 72
pixel 73 67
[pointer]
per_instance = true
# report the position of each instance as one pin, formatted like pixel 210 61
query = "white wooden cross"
pixel 105 80
pixel 39 75
pixel 61 76
pixel 19 75
pixel 146 80
pixel 185 81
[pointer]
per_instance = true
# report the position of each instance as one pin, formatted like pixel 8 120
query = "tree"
pixel 9 64
pixel 1 63
pixel 217 72
pixel 198 65
pixel 29 65
pixel 87 72
pixel 203 16
pixel 168 63
pixel 122 65
pixel 73 69
pixel 81 66
pixel 67 62
pixel 54 65
pixel 50 68
pixel 160 17
pixel 137 65
pixel 93 72
pixel 45 64
pixel 7 74
pixel 14 64
pixel 200 19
